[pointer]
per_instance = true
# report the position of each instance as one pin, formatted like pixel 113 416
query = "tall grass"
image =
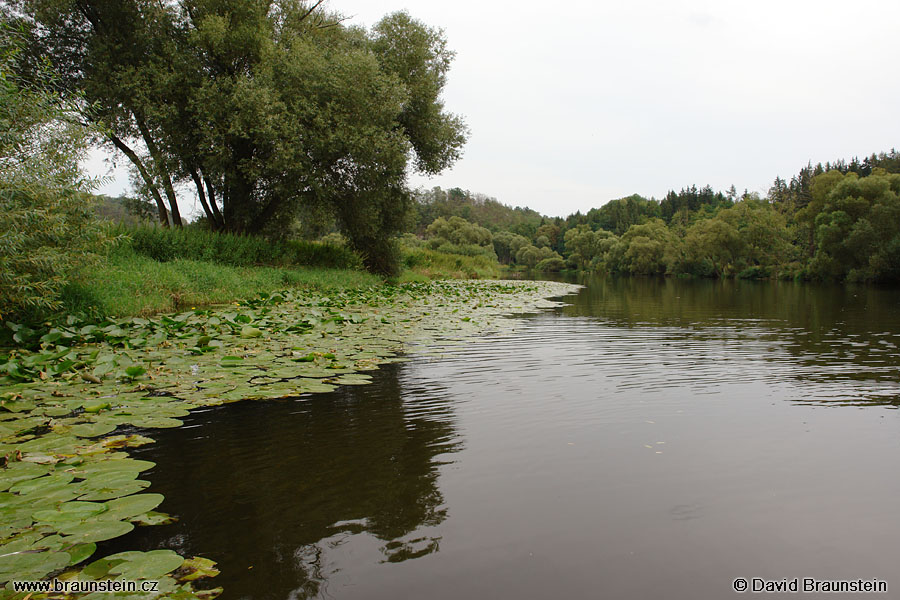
pixel 192 243
pixel 128 283
pixel 431 264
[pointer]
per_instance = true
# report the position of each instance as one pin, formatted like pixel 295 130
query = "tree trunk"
pixel 145 175
pixel 211 192
pixel 161 170
pixel 263 217
pixel 213 222
pixel 238 197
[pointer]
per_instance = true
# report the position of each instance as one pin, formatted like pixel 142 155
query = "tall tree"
pixel 266 106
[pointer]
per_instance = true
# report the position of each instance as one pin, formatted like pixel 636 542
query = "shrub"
pixel 48 227
pixel 193 243
pixel 550 265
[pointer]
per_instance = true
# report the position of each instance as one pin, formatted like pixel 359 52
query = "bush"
pixel 193 243
pixel 756 272
pixel 431 264
pixel 48 228
pixel 550 265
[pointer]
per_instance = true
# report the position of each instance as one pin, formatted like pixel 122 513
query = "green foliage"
pixel 124 210
pixel 856 226
pixel 194 243
pixel 507 244
pixel 475 208
pixel 48 227
pixel 648 249
pixel 457 236
pixel 585 246
pixel 418 56
pixel 127 283
pixel 550 265
pixel 425 263
pixel 618 215
pixel 532 256
pixel 272 110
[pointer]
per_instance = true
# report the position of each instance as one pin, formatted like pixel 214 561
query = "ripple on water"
pixel 652 439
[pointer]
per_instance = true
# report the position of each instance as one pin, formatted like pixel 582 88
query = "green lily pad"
pixel 196 567
pixel 112 488
pixel 69 512
pixel 51 542
pixel 153 518
pixel 56 411
pixel 52 480
pixel 23 541
pixel 52 495
pixel 113 465
pixel 95 407
pixel 95 531
pixel 81 552
pixel 92 429
pixel 19 471
pixel 155 422
pixel 135 371
pixel 353 379
pixel 31 566
pixel 250 332
pixel 130 506
pixel 145 565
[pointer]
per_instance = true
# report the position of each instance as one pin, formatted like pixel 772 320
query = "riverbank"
pixel 74 407
pixel 127 283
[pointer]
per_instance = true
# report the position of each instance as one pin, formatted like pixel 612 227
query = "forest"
pixel 834 222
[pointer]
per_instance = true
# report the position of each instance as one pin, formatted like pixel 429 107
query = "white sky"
pixel 573 104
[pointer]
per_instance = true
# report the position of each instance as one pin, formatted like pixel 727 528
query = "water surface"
pixel 655 438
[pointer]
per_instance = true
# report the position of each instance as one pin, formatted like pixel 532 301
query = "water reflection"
pixel 841 336
pixel 655 439
pixel 271 491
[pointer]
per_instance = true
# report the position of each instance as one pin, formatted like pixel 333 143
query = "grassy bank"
pixel 421 264
pixel 152 270
pixel 131 284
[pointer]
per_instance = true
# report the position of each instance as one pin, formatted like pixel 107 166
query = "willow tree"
pixel 48 230
pixel 268 107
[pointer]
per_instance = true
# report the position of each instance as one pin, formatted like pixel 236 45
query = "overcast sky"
pixel 572 105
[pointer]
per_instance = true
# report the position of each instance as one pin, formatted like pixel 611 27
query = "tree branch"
pixel 164 216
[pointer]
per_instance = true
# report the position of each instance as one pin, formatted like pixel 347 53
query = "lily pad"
pixel 95 531
pixel 146 565
pixel 23 541
pixel 92 429
pixel 250 332
pixel 153 518
pixel 69 512
pixel 81 552
pixel 155 422
pixel 31 566
pixel 113 465
pixel 38 484
pixel 111 488
pixel 19 471
pixel 196 567
pixel 130 506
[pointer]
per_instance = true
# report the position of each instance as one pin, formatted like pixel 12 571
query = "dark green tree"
pixel 268 107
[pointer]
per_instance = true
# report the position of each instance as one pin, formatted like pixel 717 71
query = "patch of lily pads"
pixel 75 397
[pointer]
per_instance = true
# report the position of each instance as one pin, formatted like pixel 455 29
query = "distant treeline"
pixel 837 221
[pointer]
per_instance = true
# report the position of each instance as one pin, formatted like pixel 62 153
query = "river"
pixel 651 439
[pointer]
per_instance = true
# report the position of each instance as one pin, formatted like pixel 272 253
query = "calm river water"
pixel 653 439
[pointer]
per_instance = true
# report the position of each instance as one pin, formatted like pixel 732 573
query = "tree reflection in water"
pixel 287 482
pixel 814 333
